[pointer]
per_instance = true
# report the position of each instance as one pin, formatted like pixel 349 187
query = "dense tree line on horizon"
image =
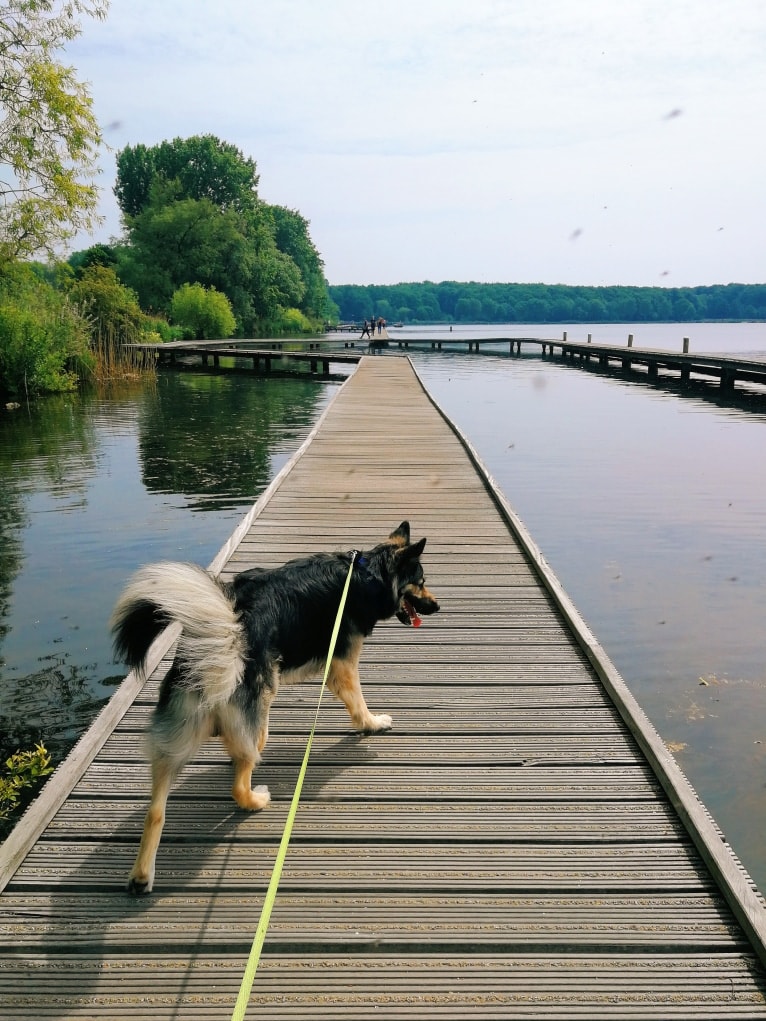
pixel 454 302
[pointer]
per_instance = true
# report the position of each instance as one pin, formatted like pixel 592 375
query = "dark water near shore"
pixel 649 504
pixel 92 487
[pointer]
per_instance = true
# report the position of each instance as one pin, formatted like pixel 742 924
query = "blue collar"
pixel 364 575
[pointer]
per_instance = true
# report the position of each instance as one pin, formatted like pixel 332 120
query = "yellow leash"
pixel 271 894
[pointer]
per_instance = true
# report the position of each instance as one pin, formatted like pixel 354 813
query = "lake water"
pixel 92 487
pixel 648 502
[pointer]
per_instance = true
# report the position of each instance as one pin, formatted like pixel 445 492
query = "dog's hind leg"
pixel 244 744
pixel 343 682
pixel 141 878
pixel 179 727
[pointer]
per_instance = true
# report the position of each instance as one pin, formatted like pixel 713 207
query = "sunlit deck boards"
pixel 506 851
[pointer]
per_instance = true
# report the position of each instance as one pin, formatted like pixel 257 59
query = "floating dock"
pixel 520 845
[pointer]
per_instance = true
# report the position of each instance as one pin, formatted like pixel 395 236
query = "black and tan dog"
pixel 241 639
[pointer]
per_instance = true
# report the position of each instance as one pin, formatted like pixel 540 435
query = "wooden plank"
pixel 356 780
pixel 444 986
pixel 467 866
pixel 125 746
pixel 342 922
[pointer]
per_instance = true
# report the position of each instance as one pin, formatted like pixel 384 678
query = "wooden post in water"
pixel 589 336
pixel 686 345
pixel 630 340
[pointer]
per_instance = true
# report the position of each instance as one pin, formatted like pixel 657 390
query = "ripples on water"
pixel 650 506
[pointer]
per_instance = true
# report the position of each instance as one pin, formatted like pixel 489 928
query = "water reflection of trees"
pixel 51 443
pixel 211 439
pixel 202 433
pixel 12 519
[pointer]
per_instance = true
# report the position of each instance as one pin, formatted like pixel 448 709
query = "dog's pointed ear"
pixel 401 535
pixel 410 552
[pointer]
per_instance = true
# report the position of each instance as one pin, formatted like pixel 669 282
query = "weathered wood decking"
pixel 512 849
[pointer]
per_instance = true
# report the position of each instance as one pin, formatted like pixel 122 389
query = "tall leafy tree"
pixel 110 308
pixel 192 215
pixel 49 136
pixel 203 166
pixel 291 233
pixel 175 241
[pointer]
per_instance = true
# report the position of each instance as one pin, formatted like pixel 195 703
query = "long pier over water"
pixel 318 354
pixel 521 845
pixel 683 366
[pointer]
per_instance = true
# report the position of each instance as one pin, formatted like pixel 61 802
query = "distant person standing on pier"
pixel 365 330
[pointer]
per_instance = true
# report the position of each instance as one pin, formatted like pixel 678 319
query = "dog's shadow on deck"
pixel 202 818
pixel 211 849
pixel 209 843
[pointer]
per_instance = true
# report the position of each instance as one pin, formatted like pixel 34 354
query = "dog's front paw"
pixel 139 884
pixel 379 723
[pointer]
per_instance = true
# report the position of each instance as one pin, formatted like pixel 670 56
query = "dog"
pixel 241 639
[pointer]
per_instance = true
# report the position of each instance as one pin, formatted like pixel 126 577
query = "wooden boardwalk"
pixel 521 845
pixel 653 364
pixel 259 358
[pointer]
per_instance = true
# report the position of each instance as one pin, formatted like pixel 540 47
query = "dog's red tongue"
pixel 412 613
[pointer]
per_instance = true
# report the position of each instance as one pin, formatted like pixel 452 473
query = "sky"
pixel 591 142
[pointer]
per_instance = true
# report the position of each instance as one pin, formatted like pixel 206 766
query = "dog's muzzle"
pixel 410 608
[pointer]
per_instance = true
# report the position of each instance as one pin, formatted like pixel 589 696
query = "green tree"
pixel 192 215
pixel 294 323
pixel 353 301
pixel 291 233
pixel 43 336
pixel 49 137
pixel 277 285
pixel 112 310
pixel 541 303
pixel 204 312
pixel 684 310
pixel 175 240
pixel 203 166
pixel 97 255
pixel 467 310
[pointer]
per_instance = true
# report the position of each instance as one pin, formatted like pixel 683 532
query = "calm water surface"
pixel 90 488
pixel 649 504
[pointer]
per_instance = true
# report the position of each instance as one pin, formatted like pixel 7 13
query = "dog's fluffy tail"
pixel 211 649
